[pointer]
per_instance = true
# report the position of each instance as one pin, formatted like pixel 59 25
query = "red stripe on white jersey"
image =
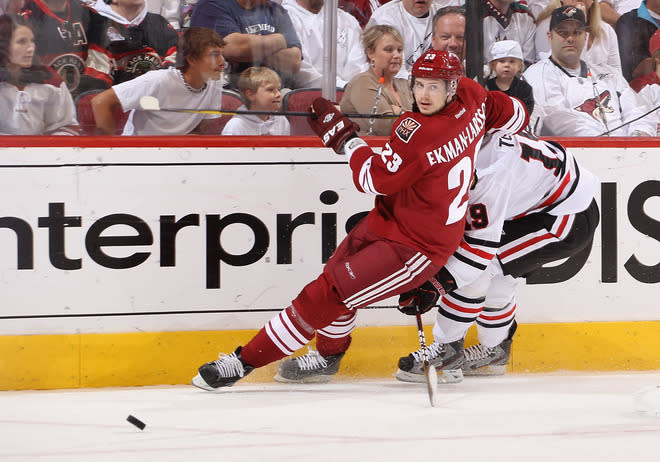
pixel 473 250
pixel 535 241
pixel 460 309
pixel 485 317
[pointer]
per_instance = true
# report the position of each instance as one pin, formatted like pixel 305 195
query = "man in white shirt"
pixel 194 86
pixel 510 20
pixel 449 31
pixel 308 17
pixel 413 19
pixel 579 99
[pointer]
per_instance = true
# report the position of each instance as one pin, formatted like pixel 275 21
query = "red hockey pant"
pixel 363 270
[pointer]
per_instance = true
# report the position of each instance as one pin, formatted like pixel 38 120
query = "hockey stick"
pixel 429 370
pixel 151 103
pixel 631 121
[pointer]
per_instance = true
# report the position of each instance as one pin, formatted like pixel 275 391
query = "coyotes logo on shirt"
pixel 407 129
pixel 597 106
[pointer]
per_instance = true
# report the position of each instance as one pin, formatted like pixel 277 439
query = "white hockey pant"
pixel 490 301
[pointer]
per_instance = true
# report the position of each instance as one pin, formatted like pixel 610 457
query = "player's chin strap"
pixel 631 121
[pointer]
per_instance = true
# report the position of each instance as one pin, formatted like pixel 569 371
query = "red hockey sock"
pixel 281 336
pixel 327 346
pixel 336 337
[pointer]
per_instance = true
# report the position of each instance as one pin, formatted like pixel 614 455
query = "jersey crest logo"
pixel 142 63
pixel 407 129
pixel 70 67
pixel 597 106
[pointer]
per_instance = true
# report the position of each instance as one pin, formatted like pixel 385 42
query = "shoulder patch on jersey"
pixel 407 129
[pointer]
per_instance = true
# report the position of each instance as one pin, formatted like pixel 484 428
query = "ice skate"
pixel 446 357
pixel 480 360
pixel 310 368
pixel 223 372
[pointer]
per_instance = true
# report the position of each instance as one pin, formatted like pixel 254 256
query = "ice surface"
pixel 532 417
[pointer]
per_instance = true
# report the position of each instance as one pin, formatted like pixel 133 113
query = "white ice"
pixel 531 417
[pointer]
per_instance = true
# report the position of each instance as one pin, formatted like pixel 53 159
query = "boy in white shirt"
pixel 260 89
pixel 197 85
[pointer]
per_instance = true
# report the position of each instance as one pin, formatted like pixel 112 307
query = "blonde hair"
pixel 254 77
pixel 594 18
pixel 371 35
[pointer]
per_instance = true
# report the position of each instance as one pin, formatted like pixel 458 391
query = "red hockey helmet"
pixel 435 64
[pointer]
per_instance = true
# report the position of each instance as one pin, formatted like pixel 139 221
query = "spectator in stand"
pixel 257 33
pixel 579 99
pixel 34 98
pixel 537 6
pixel 414 21
pixel 169 9
pixel 648 86
pixel 611 10
pixel 308 17
pixel 506 67
pixel 126 41
pixel 11 6
pixel 61 34
pixel 260 89
pixel 634 29
pixel 197 85
pixel 602 47
pixel 510 20
pixel 449 31
pixel 378 90
pixel 361 9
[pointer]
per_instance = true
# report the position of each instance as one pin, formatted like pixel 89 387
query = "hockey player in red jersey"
pixel 420 180
pixel 532 203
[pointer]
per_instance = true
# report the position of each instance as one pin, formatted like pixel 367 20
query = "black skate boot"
pixel 446 357
pixel 480 360
pixel 223 372
pixel 310 368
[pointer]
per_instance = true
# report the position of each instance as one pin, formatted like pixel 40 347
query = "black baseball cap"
pixel 567 13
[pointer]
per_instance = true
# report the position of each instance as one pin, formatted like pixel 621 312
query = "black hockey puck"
pixel 137 422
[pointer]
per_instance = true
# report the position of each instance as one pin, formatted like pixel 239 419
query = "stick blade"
pixel 149 103
pixel 431 376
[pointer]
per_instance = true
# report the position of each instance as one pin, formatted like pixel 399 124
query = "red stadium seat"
pixel 86 115
pixel 231 100
pixel 299 101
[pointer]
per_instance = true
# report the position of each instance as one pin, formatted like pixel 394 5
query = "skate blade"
pixel 310 379
pixel 444 376
pixel 486 371
pixel 199 382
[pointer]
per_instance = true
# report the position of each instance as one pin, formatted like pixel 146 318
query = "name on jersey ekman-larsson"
pixel 455 147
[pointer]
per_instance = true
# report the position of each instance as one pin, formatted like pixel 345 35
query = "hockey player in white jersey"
pixel 531 203
pixel 577 99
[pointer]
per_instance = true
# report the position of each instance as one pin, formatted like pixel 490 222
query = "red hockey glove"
pixel 331 125
pixel 421 299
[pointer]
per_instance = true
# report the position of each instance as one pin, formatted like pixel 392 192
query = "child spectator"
pixel 34 98
pixel 196 85
pixel 260 88
pixel 506 63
